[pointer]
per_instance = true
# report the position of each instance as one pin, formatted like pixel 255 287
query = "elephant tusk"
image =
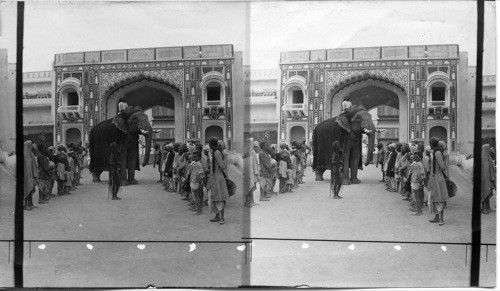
pixel 144 131
pixel 367 130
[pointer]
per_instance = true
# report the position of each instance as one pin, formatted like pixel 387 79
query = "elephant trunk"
pixel 371 145
pixel 149 140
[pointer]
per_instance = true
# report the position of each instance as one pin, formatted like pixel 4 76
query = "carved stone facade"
pixel 179 71
pixel 407 71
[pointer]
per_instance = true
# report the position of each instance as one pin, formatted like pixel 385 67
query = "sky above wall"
pixel 261 30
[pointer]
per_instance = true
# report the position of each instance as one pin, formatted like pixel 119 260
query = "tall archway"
pixel 214 130
pixel 297 133
pixel 152 94
pixel 372 93
pixel 440 132
pixel 73 135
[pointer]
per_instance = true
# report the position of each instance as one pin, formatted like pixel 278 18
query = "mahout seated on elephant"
pixel 124 129
pixel 347 129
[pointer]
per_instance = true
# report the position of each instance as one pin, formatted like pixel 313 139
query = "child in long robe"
pixel 336 171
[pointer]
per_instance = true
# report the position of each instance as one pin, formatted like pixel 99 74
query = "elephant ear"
pixel 120 123
pixel 344 122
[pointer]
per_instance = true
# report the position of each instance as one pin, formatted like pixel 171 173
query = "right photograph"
pixel 359 143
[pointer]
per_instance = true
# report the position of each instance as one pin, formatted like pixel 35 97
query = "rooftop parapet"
pixel 41 75
pixel 145 55
pixel 372 54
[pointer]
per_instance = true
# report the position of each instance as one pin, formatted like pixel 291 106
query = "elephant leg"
pixel 319 174
pixel 131 165
pixel 123 173
pixel 96 177
pixel 345 172
pixel 354 164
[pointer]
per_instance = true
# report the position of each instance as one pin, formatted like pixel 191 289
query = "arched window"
pixel 295 95
pixel 438 90
pixel 438 93
pixel 69 97
pixel 69 93
pixel 214 93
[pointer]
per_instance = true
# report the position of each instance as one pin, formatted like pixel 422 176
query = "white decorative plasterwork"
pixel 71 82
pixel 397 76
pixel 438 75
pixel 173 77
pixel 211 76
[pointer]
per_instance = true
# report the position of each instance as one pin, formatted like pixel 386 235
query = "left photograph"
pixel 133 116
pixel 8 28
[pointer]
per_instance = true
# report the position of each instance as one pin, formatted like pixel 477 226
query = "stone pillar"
pixel 238 103
pixel 8 108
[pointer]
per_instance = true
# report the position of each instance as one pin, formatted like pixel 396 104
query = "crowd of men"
pixel 420 174
pixel 46 166
pixel 284 163
pixel 197 173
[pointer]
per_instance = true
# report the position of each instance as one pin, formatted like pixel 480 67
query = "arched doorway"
pixel 162 103
pixel 297 133
pixel 73 135
pixel 440 132
pixel 387 102
pixel 214 130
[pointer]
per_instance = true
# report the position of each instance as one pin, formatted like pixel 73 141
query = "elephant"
pixel 124 129
pixel 346 128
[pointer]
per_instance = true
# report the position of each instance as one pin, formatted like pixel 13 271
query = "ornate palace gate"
pixel 419 81
pixel 197 86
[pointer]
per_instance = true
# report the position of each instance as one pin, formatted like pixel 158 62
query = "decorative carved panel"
pixel 437 51
pixel 335 77
pixel 169 53
pixel 141 54
pixel 73 58
pixel 400 52
pixel 114 56
pixel 318 55
pixel 302 56
pixel 212 51
pixel 92 57
pixel 417 51
pixel 191 52
pixel 173 77
pixel 339 55
pixel 367 53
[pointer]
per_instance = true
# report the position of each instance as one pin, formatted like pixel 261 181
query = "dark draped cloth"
pixel 106 132
pixel 324 135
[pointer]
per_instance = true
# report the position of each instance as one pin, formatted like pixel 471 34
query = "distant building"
pixel 488 124
pixel 261 115
pixel 388 123
pixel 38 111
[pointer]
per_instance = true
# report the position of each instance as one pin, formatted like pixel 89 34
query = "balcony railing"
pixel 490 106
pixel 388 133
pixel 295 106
pixel 296 109
pixel 71 112
pixel 254 93
pixel 213 103
pixel 437 103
